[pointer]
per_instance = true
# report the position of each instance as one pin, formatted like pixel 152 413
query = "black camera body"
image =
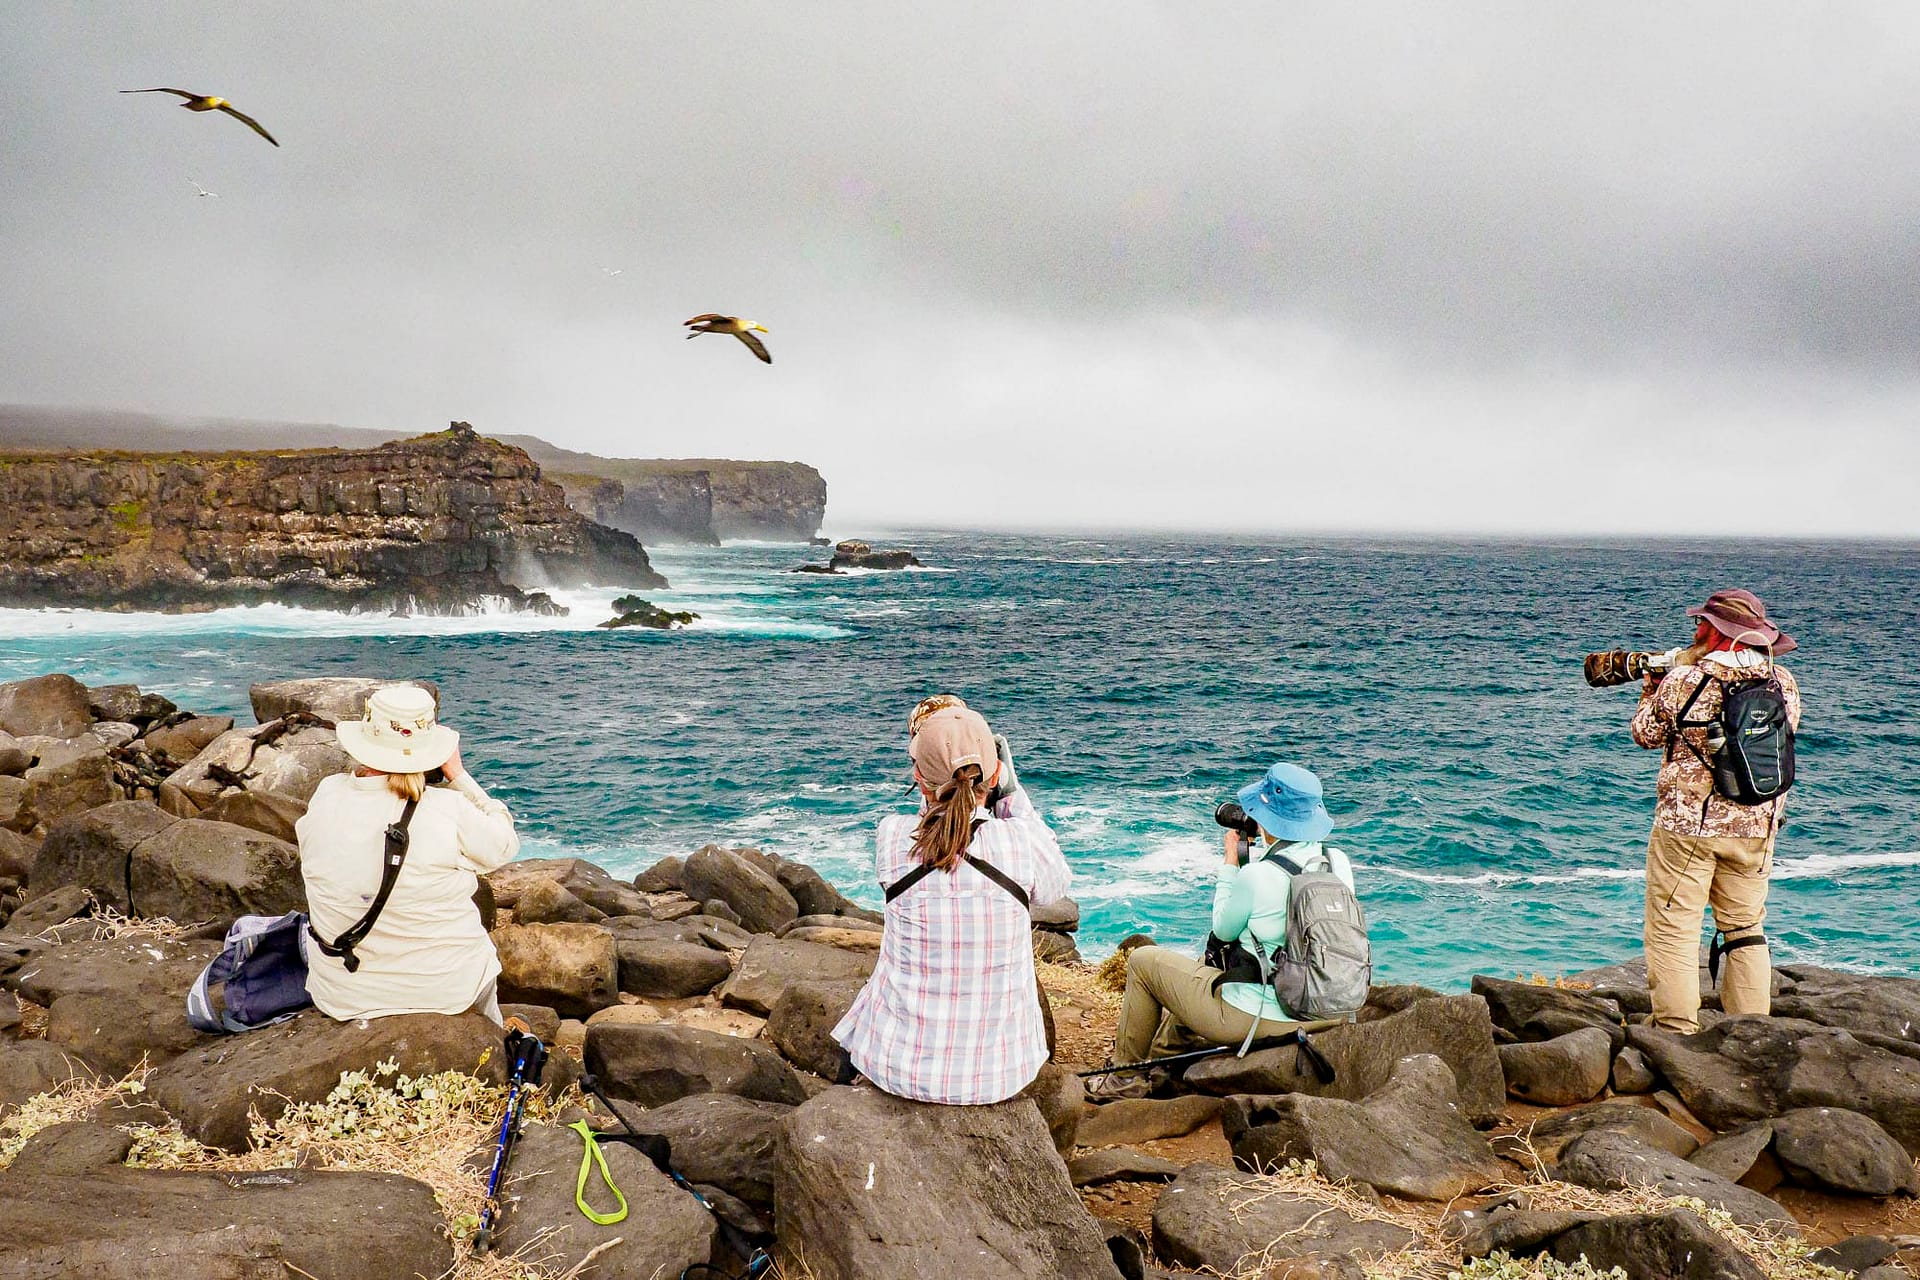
pixel 1231 816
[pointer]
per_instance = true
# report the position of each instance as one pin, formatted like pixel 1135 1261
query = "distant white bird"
pixel 611 271
pixel 202 191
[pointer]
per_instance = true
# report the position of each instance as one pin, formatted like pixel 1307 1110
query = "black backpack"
pixel 1750 743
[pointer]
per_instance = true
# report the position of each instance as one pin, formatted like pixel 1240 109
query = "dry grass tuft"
pixel 1112 973
pixel 33 1020
pixel 1557 981
pixel 115 926
pixel 74 1098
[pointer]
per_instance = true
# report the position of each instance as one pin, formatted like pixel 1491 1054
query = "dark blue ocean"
pixel 1495 805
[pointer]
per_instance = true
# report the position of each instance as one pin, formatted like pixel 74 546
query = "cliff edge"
pixel 436 523
pixel 698 500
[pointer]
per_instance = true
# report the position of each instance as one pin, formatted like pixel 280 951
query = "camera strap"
pixel 393 857
pixel 981 865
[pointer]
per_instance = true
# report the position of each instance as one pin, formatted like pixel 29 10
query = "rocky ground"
pixel 1509 1131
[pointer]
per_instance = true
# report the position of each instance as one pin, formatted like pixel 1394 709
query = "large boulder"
pixel 654 1064
pixel 262 811
pixel 150 1224
pixel 15 813
pixel 116 1032
pixel 671 970
pixel 549 902
pixel 1562 1072
pixel 1541 1142
pixel 1866 1004
pixel 15 758
pixel 1455 1029
pixel 178 744
pixel 53 706
pixel 121 702
pixel 1408 1139
pixel 330 698
pixel 195 870
pixel 210 1089
pixel 664 876
pixel 759 898
pixel 814 896
pixel 1844 1151
pixel 1675 1245
pixel 92 850
pixel 70 781
pixel 770 965
pixel 276 758
pixel 723 1140
pixel 665 1231
pixel 1217 1218
pixel 573 968
pixel 801 1025
pixel 854 1204
pixel 580 879
pixel 1612 1161
pixel 1754 1068
pixel 1131 1121
pixel 109 967
pixel 1533 1011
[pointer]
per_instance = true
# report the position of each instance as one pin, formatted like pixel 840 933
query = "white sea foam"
pixel 1837 864
pixel 1813 866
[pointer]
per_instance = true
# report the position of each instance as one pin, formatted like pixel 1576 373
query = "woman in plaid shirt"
pixel 952 1012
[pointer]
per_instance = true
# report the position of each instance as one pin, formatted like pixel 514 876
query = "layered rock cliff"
pixel 697 500
pixel 437 523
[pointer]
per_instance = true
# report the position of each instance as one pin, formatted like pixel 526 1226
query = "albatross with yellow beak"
pixel 206 102
pixel 741 329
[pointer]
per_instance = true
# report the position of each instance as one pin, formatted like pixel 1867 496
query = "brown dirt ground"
pixel 1085 1014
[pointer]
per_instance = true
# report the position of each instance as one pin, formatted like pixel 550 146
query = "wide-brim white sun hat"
pixel 399 733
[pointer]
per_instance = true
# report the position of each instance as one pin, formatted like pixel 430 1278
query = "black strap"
pixel 392 859
pixel 1316 1061
pixel 1722 944
pixel 1681 724
pixel 981 865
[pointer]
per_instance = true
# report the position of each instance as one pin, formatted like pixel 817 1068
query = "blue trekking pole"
pixel 529 1060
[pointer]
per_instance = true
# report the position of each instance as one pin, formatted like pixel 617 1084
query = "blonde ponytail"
pixel 408 786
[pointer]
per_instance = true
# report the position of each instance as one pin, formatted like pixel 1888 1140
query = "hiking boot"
pixel 1118 1087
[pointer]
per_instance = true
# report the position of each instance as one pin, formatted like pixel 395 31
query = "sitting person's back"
pixel 428 951
pixel 952 1011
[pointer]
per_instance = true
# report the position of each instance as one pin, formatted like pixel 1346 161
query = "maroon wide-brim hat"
pixel 1739 616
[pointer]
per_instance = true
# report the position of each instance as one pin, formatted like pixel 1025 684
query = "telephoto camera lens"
pixel 1231 816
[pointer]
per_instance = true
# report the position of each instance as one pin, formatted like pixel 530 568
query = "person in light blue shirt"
pixel 1249 905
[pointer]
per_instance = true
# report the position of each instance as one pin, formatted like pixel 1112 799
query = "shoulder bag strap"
pixel 394 857
pixel 981 865
pixel 1681 724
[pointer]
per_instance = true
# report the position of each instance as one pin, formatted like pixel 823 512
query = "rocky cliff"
pixel 689 499
pixel 435 523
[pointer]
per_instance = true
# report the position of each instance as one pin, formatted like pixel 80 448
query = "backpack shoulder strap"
pixel 394 856
pixel 1680 722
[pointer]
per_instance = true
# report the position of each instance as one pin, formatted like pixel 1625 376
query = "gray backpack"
pixel 1323 969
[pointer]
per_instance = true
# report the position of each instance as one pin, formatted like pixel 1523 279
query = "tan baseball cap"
pixel 949 739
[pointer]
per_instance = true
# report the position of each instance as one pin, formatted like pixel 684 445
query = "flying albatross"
pixel 206 102
pixel 741 329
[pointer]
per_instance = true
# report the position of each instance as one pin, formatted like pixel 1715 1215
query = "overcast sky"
pixel 1522 267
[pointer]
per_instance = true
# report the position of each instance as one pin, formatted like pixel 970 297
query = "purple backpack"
pixel 264 967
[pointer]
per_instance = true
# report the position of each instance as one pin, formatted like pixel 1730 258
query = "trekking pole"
pixel 1316 1061
pixel 529 1060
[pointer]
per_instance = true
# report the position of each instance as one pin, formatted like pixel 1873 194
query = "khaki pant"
pixel 1165 988
pixel 1685 876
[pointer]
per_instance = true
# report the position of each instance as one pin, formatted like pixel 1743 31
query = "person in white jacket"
pixel 428 951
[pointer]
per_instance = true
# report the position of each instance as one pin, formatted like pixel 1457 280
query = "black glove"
pixel 1009 782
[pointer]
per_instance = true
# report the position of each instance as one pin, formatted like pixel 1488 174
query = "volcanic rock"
pixel 178 744
pixel 210 1089
pixel 1631 1074
pixel 720 1138
pixel 265 812
pixel 1214 1217
pixel 1610 1161
pixel 762 903
pixel 854 554
pixel 662 877
pixel 1844 1151
pixel 670 970
pixel 1542 1141
pixel 30 1067
pixel 54 706
pixel 1131 1121
pixel 329 698
pixel 197 871
pixel 1675 1245
pixel 801 1024
pixel 770 965
pixel 70 782
pixel 150 1224
pixel 654 1065
pixel 546 902
pixel 1407 1139
pixel 1532 1011
pixel 1455 1029
pixel 1119 1164
pixel 572 968
pixel 852 1193
pixel 1568 1069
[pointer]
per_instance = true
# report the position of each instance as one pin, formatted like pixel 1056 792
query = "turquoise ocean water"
pixel 1495 805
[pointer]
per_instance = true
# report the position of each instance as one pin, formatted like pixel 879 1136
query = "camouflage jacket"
pixel 1686 803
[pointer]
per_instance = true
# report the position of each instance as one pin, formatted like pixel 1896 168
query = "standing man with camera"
pixel 1725 715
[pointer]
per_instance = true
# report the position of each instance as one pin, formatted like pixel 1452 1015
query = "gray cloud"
pixel 1443 256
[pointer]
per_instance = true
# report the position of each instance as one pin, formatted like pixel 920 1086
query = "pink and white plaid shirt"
pixel 952 1012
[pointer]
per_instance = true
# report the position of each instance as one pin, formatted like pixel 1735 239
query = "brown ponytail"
pixel 946 828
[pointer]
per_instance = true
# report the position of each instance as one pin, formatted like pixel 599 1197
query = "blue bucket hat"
pixel 1286 803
